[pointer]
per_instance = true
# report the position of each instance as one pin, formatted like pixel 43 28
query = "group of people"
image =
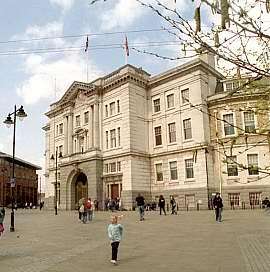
pixel 113 204
pixel 86 210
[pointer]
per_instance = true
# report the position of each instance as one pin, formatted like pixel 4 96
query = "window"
pixel 172 133
pixel 190 201
pixel 118 106
pixel 173 170
pixel 119 166
pixel 106 168
pixel 228 124
pixel 60 149
pixel 157 105
pixel 159 173
pixel 78 120
pixel 57 130
pixel 86 117
pixel 61 129
pixel 158 135
pixel 189 168
pixel 170 101
pixel 107 139
pixel 255 198
pixel 185 96
pixel 113 138
pixel 106 111
pixel 232 166
pixel 119 136
pixel 252 164
pixel 113 167
pixel 249 121
pixel 234 199
pixel 230 86
pixel 187 129
pixel 112 108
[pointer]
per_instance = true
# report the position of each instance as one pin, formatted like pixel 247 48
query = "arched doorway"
pixel 81 188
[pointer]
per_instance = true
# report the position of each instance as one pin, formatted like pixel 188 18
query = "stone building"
pixel 240 141
pixel 26 189
pixel 129 132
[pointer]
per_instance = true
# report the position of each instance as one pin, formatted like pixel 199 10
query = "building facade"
pixel 128 133
pixel 26 188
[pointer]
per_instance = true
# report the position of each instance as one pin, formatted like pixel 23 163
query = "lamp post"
pixel 21 114
pixel 3 170
pixel 56 178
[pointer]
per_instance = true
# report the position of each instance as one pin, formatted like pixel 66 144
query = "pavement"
pixel 188 242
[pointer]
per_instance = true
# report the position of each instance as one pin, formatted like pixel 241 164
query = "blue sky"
pixel 30 80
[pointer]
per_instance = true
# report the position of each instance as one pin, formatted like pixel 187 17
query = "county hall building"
pixel 129 132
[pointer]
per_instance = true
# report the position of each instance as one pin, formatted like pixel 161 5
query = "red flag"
pixel 86 45
pixel 126 46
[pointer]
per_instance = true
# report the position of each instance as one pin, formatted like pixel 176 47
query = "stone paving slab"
pixel 188 242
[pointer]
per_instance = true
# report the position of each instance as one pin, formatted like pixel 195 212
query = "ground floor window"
pixel 190 201
pixel 234 199
pixel 255 198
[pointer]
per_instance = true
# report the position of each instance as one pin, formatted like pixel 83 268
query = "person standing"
pixel 218 205
pixel 173 205
pixel 161 204
pixel 89 209
pixel 140 204
pixel 115 232
pixel 2 217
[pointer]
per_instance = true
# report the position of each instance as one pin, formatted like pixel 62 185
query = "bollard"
pixel 177 208
pixel 198 206
pixel 167 207
pixel 187 208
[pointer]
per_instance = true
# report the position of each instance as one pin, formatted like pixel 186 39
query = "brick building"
pixel 26 189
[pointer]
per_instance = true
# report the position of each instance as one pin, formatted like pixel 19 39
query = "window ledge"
pixel 174 143
pixel 190 180
pixel 171 108
pixel 156 113
pixel 173 182
pixel 158 146
pixel 188 140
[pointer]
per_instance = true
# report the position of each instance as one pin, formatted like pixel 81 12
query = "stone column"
pixel 96 125
pixel 90 128
pixel 70 132
pixel 66 135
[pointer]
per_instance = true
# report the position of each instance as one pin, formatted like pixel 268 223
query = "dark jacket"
pixel 161 203
pixel 217 202
pixel 140 200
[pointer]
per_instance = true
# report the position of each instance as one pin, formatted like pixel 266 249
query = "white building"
pixel 128 133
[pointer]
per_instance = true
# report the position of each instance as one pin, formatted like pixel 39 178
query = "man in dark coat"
pixel 140 204
pixel 218 205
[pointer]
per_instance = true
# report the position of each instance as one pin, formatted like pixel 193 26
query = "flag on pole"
pixel 86 45
pixel 126 46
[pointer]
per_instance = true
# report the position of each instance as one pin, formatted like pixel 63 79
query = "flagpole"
pixel 87 68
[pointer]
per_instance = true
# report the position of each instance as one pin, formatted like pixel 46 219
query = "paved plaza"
pixel 187 242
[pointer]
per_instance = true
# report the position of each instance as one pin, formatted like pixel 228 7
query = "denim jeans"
pixel 218 214
pixel 141 212
pixel 89 215
pixel 115 246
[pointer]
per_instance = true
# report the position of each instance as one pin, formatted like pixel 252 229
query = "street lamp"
pixel 56 178
pixel 21 114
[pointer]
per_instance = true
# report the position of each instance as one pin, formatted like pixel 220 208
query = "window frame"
pixel 159 175
pixel 231 164
pixel 227 125
pixel 113 139
pixel 173 171
pixel 158 137
pixel 182 96
pixel 155 106
pixel 185 129
pixel 187 168
pixel 253 171
pixel 172 134
pixel 254 122
pixel 170 101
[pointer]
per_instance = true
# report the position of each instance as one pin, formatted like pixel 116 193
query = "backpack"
pixel 88 205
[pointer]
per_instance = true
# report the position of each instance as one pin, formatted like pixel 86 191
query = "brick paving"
pixel 188 242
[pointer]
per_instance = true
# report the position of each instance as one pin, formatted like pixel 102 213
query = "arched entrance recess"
pixel 78 189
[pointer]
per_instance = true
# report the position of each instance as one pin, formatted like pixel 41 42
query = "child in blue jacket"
pixel 115 232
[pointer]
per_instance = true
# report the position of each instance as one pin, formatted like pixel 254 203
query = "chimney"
pixel 207 57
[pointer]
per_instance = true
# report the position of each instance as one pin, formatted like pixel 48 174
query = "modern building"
pixel 26 187
pixel 129 132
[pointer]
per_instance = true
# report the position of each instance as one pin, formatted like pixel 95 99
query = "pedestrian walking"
pixel 80 208
pixel 140 204
pixel 161 204
pixel 115 232
pixel 89 209
pixel 218 205
pixel 2 217
pixel 173 205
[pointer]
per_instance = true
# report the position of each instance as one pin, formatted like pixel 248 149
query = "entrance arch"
pixel 81 188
